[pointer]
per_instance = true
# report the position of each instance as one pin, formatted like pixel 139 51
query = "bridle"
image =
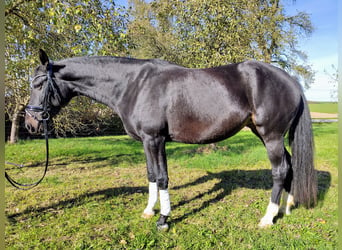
pixel 44 117
pixel 48 89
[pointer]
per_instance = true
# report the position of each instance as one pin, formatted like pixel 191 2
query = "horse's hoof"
pixel 163 227
pixel 147 215
pixel 265 224
pixel 161 223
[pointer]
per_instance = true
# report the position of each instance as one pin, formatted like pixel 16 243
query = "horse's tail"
pixel 304 184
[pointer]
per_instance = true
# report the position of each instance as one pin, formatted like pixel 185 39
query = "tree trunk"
pixel 16 123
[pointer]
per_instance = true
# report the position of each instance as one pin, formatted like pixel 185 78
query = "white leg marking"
pixel 152 200
pixel 271 212
pixel 289 204
pixel 165 206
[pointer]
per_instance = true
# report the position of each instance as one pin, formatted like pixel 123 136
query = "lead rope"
pixel 45 118
pixel 32 185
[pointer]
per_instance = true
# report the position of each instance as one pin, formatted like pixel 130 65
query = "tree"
pixel 151 33
pixel 333 80
pixel 201 33
pixel 63 29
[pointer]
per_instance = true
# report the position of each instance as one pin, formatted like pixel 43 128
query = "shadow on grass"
pixel 99 162
pixel 229 180
pixel 79 201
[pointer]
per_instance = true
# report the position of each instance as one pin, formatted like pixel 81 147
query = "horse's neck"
pixel 104 83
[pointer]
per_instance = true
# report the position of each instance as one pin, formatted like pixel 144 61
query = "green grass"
pixel 324 107
pixel 96 189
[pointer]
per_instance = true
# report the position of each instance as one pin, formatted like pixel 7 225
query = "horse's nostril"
pixel 30 128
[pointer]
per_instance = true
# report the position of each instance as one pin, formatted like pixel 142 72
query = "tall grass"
pixel 96 189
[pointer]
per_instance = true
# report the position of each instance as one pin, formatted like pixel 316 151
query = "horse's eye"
pixel 37 81
pixel 37 84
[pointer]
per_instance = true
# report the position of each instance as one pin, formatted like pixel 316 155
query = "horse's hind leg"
pixel 287 199
pixel 281 174
pixel 287 203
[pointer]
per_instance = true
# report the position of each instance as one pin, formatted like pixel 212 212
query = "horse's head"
pixel 46 97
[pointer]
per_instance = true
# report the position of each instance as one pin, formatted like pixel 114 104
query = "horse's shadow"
pixel 100 195
pixel 233 179
pixel 227 182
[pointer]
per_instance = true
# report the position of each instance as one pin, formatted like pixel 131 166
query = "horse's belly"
pixel 204 111
pixel 201 130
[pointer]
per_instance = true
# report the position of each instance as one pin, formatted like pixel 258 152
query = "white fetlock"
pixel 271 212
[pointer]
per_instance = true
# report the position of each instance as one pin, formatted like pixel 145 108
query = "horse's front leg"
pixel 154 148
pixel 152 188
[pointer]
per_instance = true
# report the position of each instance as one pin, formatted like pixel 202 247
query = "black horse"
pixel 160 102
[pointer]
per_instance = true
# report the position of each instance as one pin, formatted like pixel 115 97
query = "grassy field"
pixel 324 107
pixel 96 190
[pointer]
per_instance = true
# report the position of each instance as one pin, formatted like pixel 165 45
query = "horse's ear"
pixel 44 59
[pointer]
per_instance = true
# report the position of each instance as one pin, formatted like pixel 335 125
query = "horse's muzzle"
pixel 33 125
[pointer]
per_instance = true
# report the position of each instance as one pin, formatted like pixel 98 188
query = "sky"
pixel 321 47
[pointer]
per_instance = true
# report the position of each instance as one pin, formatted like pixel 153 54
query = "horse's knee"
pixel 163 183
pixel 280 176
pixel 151 177
pixel 281 171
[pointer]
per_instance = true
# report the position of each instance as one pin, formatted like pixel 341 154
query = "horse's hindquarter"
pixel 274 96
pixel 206 105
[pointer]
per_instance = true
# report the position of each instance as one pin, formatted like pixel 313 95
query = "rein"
pixel 44 117
pixel 29 186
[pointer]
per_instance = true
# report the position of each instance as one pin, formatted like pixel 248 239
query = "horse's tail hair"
pixel 304 184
